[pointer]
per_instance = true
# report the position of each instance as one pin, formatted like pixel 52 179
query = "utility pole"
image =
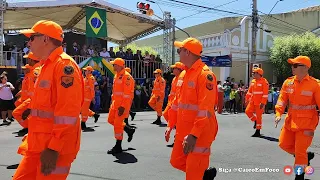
pixel 173 39
pixel 2 10
pixel 254 31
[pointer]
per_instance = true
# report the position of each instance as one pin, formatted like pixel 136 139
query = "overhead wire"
pixel 207 10
pixel 205 7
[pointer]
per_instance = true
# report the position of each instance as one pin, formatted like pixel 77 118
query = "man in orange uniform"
pixel 132 114
pixel 54 124
pixel 178 67
pixel 301 93
pixel 28 80
pixel 157 96
pixel 89 92
pixel 256 99
pixel 27 89
pixel 193 114
pixel 122 92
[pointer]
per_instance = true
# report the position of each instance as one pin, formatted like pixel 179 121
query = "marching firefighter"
pixel 256 99
pixel 177 68
pixel 157 96
pixel 301 94
pixel 132 114
pixel 89 91
pixel 122 93
pixel 54 124
pixel 193 114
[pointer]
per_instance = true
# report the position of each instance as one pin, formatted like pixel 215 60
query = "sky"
pixel 187 16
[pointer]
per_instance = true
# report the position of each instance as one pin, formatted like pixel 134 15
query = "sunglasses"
pixel 35 35
pixel 296 65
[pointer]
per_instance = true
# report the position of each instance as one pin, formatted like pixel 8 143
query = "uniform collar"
pixel 195 65
pixel 55 53
pixel 307 77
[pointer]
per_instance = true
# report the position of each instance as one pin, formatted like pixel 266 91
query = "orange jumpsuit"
pixel 159 86
pixel 257 94
pixel 193 113
pixel 17 113
pixel 122 93
pixel 88 97
pixel 170 98
pixel 54 119
pixel 302 98
pixel 24 88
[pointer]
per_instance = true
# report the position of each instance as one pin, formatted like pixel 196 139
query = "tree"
pixel 292 46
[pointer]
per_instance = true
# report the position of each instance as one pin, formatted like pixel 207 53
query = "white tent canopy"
pixel 123 25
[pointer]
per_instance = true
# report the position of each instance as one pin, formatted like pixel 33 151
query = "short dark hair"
pixel 55 42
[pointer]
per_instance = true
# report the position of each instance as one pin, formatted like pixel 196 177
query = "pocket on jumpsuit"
pixel 302 121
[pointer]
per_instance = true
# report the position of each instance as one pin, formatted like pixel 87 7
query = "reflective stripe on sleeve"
pixel 41 114
pixel 202 150
pixel 203 113
pixel 61 170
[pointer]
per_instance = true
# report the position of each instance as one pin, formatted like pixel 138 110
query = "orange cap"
pixel 191 44
pixel 88 68
pixel 45 27
pixel 258 70
pixel 128 69
pixel 31 56
pixel 118 61
pixel 305 60
pixel 27 66
pixel 157 71
pixel 178 65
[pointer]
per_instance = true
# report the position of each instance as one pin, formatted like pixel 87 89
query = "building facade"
pixel 232 35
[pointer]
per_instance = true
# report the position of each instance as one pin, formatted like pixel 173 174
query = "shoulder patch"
pixel 66 81
pixel 128 78
pixel 209 77
pixel 209 86
pixel 68 70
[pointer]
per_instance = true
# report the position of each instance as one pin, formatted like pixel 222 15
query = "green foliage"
pixel 134 49
pixel 292 46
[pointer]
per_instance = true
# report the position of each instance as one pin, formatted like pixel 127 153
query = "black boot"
pixel 96 117
pixel 210 173
pixel 158 121
pixel 132 114
pixel 117 148
pixel 257 133
pixel 310 157
pixel 83 126
pixel 23 132
pixel 130 132
pixel 299 177
pixel 255 125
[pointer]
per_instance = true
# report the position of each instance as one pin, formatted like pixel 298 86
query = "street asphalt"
pixel 147 156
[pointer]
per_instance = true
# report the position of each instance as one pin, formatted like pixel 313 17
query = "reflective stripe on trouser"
pixel 117 122
pixel 194 164
pixel 85 110
pixel 250 110
pixel 30 168
pixel 156 105
pixel 296 143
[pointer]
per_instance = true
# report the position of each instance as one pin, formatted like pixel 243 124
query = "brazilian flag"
pixel 96 25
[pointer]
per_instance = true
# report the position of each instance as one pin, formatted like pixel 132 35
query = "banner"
pixel 96 25
pixel 218 61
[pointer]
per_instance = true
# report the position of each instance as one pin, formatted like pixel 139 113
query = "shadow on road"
pixel 89 129
pixel 14 166
pixel 163 125
pixel 269 138
pixel 125 157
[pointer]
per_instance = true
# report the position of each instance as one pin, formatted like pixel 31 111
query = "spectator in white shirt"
pixel 104 53
pixel 6 99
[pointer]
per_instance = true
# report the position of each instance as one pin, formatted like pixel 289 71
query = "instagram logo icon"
pixel 309 170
